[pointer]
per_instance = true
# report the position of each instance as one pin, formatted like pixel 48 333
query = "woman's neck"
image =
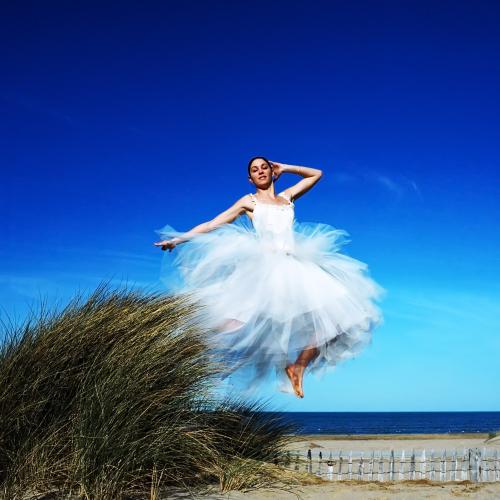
pixel 267 194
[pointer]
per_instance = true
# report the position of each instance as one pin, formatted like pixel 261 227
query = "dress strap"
pixel 252 197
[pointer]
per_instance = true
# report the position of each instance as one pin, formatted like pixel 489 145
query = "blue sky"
pixel 117 119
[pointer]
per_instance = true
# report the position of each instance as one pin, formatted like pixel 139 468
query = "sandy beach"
pixel 396 442
pixel 374 490
pixel 346 490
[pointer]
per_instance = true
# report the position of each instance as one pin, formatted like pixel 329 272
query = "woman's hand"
pixel 166 244
pixel 278 169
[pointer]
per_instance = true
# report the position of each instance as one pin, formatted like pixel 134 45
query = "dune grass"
pixel 113 397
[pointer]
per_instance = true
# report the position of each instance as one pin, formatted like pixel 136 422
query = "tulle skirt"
pixel 265 305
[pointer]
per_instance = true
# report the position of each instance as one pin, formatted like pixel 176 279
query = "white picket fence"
pixel 469 464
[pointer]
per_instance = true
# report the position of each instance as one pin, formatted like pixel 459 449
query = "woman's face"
pixel 261 173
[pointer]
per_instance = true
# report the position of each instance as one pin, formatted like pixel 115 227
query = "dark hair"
pixel 256 158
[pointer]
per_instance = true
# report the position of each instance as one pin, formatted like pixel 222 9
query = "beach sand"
pixel 347 490
pixel 372 490
pixel 396 442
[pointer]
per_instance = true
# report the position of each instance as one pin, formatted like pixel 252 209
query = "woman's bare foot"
pixel 300 376
pixel 304 358
pixel 295 379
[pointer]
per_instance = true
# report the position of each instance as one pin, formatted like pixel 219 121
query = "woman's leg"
pixel 307 355
pixel 229 325
pixel 295 371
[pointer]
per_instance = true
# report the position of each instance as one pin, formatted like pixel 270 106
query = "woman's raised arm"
pixel 225 217
pixel 311 177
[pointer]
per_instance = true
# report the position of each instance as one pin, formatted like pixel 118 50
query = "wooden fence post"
pixel 486 465
pixel 401 465
pixel 442 468
pixel 339 474
pixel 329 474
pixel 381 467
pixel 453 474
pixel 319 470
pixel 391 466
pixel 423 465
pixel 371 465
pixel 361 468
pixel 412 465
pixel 433 466
pixel 465 466
pixel 475 465
pixel 349 467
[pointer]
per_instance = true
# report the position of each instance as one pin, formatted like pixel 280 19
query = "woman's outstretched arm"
pixel 225 217
pixel 311 177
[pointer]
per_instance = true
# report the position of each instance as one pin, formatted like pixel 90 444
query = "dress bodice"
pixel 274 223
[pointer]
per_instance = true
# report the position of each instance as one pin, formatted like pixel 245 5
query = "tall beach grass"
pixel 113 397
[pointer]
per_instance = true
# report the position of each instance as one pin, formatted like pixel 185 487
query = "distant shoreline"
pixel 364 437
pixel 393 425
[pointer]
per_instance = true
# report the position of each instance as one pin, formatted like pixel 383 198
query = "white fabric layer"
pixel 274 287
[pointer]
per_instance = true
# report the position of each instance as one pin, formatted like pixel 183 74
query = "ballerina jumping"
pixel 310 306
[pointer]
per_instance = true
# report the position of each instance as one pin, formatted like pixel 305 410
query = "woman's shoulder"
pixel 286 194
pixel 246 201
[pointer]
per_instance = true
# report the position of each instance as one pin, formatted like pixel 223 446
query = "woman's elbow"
pixel 211 225
pixel 215 223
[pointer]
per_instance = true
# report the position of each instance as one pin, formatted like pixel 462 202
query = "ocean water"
pixel 394 422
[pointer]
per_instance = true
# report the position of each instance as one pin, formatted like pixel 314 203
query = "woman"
pixel 278 293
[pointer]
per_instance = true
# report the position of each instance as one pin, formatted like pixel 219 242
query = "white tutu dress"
pixel 275 287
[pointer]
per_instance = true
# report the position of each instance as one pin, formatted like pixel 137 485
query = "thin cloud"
pixel 384 181
pixel 395 187
pixel 413 184
pixel 389 184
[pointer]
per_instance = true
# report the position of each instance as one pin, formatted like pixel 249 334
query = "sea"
pixel 423 422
